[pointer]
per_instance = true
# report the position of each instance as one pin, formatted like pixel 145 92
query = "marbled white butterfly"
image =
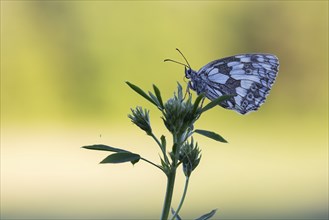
pixel 248 77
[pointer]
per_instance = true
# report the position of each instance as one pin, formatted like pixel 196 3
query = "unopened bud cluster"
pixel 190 156
pixel 141 119
pixel 179 115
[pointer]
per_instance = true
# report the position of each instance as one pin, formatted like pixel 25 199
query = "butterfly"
pixel 247 77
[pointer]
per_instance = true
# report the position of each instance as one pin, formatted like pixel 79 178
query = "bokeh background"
pixel 63 70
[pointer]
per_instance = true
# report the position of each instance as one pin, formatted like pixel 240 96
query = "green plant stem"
pixel 182 199
pixel 146 160
pixel 169 193
pixel 160 145
pixel 171 176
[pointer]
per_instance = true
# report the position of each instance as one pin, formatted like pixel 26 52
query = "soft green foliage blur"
pixel 63 68
pixel 68 60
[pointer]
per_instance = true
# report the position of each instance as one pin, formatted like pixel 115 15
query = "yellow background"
pixel 63 68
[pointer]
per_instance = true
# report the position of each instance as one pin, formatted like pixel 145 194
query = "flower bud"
pixel 141 119
pixel 190 157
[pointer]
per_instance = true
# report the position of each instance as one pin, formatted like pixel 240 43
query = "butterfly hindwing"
pixel 249 77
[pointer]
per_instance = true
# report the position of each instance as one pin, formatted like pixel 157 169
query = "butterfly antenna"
pixel 184 57
pixel 166 60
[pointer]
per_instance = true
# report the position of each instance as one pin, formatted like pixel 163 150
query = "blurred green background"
pixel 63 68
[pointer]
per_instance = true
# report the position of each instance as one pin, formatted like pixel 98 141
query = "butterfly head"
pixel 188 72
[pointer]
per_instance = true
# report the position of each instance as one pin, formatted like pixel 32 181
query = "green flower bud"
pixel 141 119
pixel 179 114
pixel 190 157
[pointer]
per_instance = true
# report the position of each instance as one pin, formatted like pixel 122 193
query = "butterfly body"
pixel 248 77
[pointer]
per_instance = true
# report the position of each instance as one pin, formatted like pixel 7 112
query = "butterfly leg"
pixel 187 90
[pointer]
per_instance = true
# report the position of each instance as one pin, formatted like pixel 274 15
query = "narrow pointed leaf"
pixel 208 215
pixel 140 92
pixel 163 163
pixel 165 166
pixel 215 102
pixel 103 148
pixel 163 142
pixel 180 93
pixel 158 95
pixel 211 134
pixel 197 102
pixel 155 100
pixel 122 157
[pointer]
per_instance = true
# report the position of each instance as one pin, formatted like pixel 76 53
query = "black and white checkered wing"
pixel 247 76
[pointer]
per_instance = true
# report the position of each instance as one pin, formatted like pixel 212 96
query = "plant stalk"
pixel 146 160
pixel 169 194
pixel 160 145
pixel 182 199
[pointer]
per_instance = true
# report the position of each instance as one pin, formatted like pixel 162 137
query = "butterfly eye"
pixel 187 72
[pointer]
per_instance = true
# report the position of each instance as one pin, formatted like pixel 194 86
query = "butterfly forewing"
pixel 249 77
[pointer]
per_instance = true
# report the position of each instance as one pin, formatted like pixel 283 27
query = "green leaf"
pixel 163 142
pixel 165 166
pixel 122 157
pixel 158 95
pixel 215 102
pixel 208 215
pixel 163 163
pixel 103 148
pixel 135 161
pixel 197 102
pixel 179 90
pixel 211 134
pixel 141 92
pixel 155 99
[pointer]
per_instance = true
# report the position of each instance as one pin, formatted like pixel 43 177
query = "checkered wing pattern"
pixel 249 77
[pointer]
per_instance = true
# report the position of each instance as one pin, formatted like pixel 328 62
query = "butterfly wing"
pixel 249 77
